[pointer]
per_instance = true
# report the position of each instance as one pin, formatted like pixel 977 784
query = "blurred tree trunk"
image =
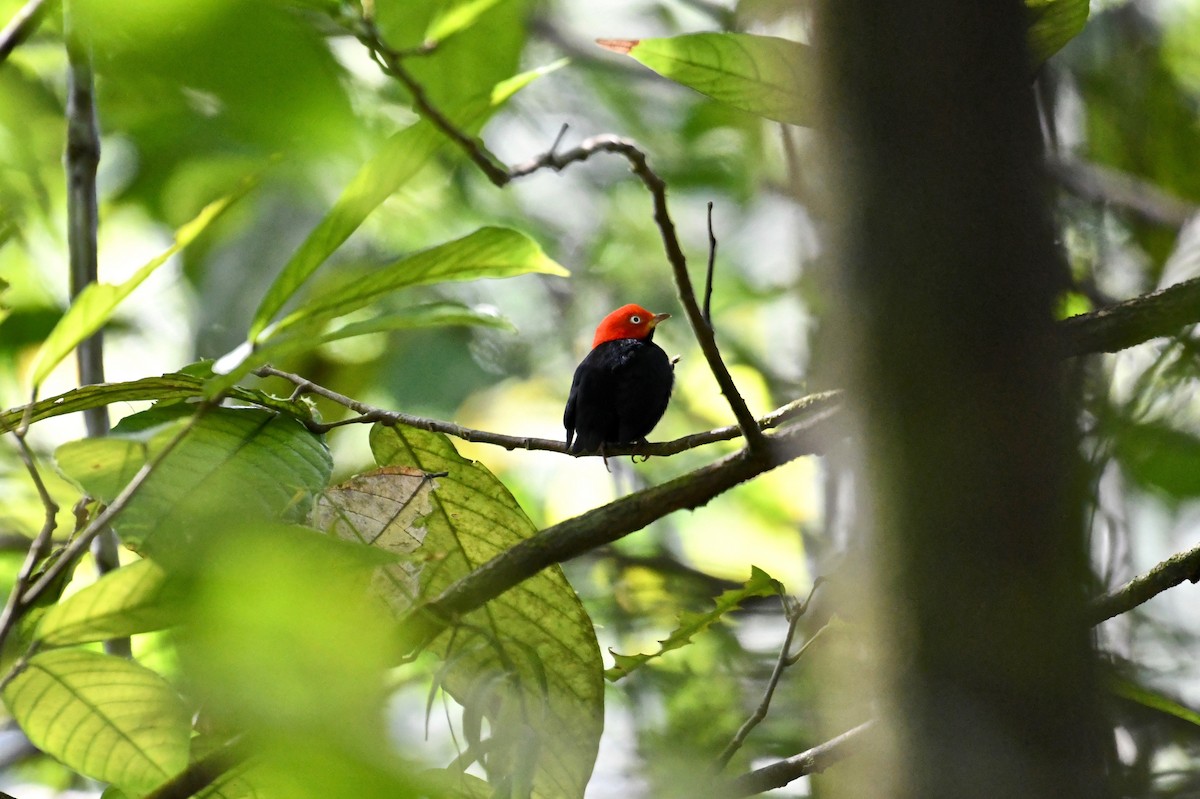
pixel 947 274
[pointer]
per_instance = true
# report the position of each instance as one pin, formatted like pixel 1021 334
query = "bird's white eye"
pixel 635 319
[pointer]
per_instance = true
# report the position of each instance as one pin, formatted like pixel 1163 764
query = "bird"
pixel 621 388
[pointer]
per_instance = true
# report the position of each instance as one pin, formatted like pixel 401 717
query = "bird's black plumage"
pixel 619 393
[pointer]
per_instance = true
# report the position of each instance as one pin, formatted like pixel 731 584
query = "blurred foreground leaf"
pixel 527 661
pixel 282 641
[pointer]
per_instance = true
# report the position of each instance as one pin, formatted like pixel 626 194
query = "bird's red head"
pixel 628 321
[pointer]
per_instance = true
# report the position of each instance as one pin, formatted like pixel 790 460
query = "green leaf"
pixel 167 387
pixel 1053 23
pixel 765 75
pixel 297 338
pixel 240 463
pixel 690 624
pixel 129 600
pixel 96 303
pixel 1155 700
pixel 1161 458
pixel 456 17
pixel 488 252
pixel 401 157
pixel 104 716
pixel 528 660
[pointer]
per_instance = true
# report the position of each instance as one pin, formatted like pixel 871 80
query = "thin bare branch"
pixel 76 548
pixel 712 259
pixel 21 27
pixel 811 406
pixel 38 548
pixel 1184 567
pixel 812 761
pixel 782 662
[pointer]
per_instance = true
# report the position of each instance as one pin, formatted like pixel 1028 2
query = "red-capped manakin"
pixel 621 388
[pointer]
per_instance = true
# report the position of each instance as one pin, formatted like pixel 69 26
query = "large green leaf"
pixel 765 75
pixel 103 716
pixel 96 303
pixel 176 386
pixel 131 599
pixel 488 252
pixel 452 18
pixel 528 660
pixel 1052 24
pixel 401 157
pixel 1160 457
pixel 234 463
pixel 690 624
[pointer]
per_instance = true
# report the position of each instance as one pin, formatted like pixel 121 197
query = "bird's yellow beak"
pixel 658 317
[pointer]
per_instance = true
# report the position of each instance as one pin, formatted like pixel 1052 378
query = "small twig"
pixel 781 663
pixel 391 61
pixel 1171 572
pixel 794 659
pixel 37 549
pixel 76 548
pixel 21 27
pixel 812 406
pixel 204 772
pixel 1121 190
pixel 712 258
pixel 781 773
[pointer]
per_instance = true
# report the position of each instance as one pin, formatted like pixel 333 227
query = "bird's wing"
pixel 569 411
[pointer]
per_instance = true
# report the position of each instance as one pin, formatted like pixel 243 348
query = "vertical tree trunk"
pixel 948 273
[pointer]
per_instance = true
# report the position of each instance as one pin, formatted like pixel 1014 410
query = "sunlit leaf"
pixel 487 253
pixel 1053 23
pixel 401 157
pixel 240 462
pixel 104 716
pixel 456 17
pixel 382 509
pixel 533 648
pixel 96 303
pixel 297 338
pixel 129 600
pixel 167 387
pixel 1155 700
pixel 765 75
pixel 690 624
